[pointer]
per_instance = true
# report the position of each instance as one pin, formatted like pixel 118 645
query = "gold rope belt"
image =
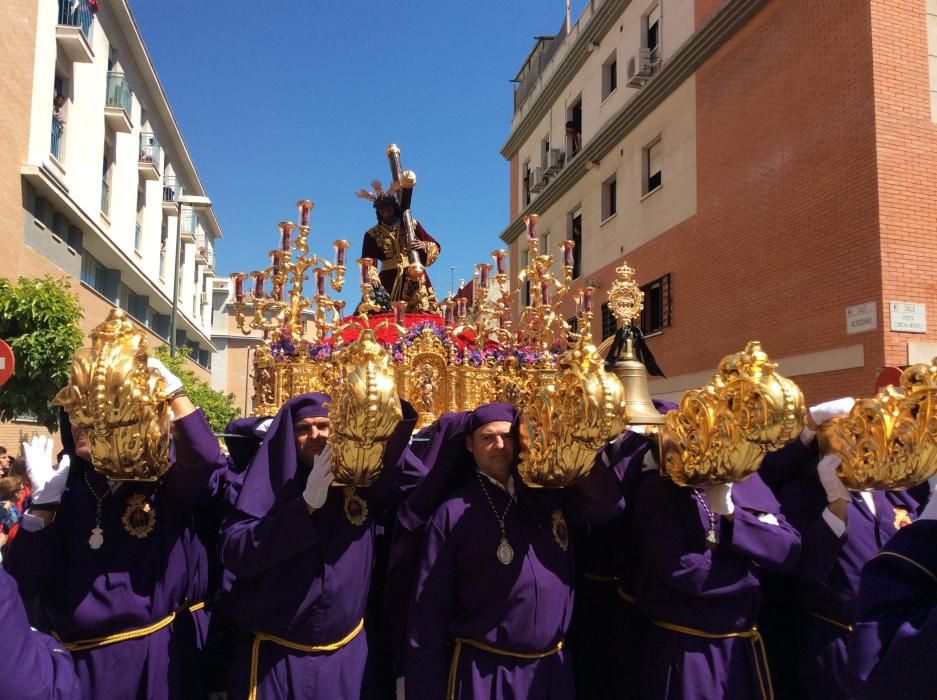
pixel 98 642
pixel 627 597
pixel 459 642
pixel 309 649
pixel 831 621
pixel 758 650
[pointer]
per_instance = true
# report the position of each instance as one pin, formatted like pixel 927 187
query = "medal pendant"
pixel 96 539
pixel 711 540
pixel 505 552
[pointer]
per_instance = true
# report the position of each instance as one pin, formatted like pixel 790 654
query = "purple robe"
pixel 132 581
pixel 299 576
pixel 826 580
pixel 891 651
pixel 33 666
pixel 607 630
pixel 464 591
pixel 717 591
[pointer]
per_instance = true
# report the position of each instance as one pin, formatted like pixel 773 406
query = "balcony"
pixel 172 190
pixel 73 34
pixel 117 104
pixel 58 128
pixel 202 249
pixel 150 157
pixel 189 226
pixel 105 198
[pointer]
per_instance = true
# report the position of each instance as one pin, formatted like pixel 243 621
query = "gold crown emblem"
pixel 888 442
pixel 719 434
pixel 119 402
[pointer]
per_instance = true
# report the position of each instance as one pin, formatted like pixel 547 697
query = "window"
pixel 163 238
pixel 123 296
pixel 575 235
pixel 609 322
pixel 609 198
pixel 609 76
pixel 652 30
pixel 652 166
pixel 573 323
pixel 107 172
pixel 574 128
pixel 545 243
pixel 526 172
pixel 138 231
pixel 92 272
pixel 656 314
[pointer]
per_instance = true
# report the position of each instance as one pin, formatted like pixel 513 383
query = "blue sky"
pixel 281 100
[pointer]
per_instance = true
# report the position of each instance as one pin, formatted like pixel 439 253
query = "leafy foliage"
pixel 217 406
pixel 39 319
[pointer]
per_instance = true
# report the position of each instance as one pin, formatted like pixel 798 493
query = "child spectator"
pixel 12 490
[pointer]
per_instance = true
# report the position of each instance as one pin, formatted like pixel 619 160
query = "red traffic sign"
pixel 888 376
pixel 7 362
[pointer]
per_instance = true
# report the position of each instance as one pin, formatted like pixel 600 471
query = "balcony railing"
pixel 118 91
pixel 172 188
pixel 77 14
pixel 57 129
pixel 105 197
pixel 150 150
pixel 189 224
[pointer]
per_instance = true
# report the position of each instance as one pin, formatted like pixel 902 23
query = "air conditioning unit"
pixel 203 298
pixel 554 162
pixel 641 67
pixel 537 182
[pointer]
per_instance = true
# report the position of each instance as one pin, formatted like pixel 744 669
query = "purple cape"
pixel 891 651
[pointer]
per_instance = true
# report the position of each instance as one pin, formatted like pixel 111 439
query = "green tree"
pixel 217 406
pixel 39 319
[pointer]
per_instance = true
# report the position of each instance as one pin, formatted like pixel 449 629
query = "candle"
pixel 531 223
pixel 286 230
pixel 447 313
pixel 499 256
pixel 340 248
pixel 305 206
pixel 483 269
pixel 568 259
pixel 399 308
pixel 461 303
pixel 259 278
pixel 238 278
pixel 587 300
pixel 365 264
pixel 320 282
pixel 275 258
pixel 545 291
pixel 278 291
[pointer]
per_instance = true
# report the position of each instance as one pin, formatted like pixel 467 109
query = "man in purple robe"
pixel 891 649
pixel 494 590
pixel 33 666
pixel 300 555
pixel 113 598
pixel 702 554
pixel 607 630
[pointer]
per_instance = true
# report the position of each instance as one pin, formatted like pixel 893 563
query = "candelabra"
pixel 290 266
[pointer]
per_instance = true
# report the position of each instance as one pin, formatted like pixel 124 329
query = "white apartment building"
pixel 104 169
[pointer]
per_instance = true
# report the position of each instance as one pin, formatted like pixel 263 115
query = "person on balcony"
pixel 387 242
pixel 300 555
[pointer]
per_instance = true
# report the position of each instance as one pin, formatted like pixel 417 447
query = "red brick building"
pixel 766 166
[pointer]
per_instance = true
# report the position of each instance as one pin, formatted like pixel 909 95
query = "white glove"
pixel 48 482
pixel 824 412
pixel 720 498
pixel 317 484
pixel 173 383
pixel 826 472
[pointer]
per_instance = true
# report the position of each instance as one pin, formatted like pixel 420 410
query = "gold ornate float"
pixel 888 442
pixel 119 402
